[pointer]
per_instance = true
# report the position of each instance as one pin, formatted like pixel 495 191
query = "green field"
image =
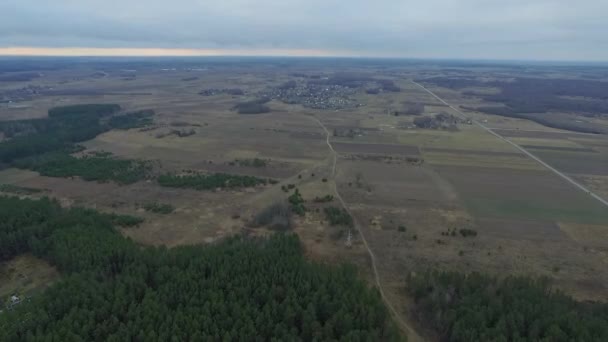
pixel 579 212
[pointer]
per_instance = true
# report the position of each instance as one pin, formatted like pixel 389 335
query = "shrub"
pixel 324 199
pixel 159 208
pixel 277 216
pixel 210 182
pixel 125 220
pixel 297 203
pixel 255 162
pixel 338 216
pixel 465 232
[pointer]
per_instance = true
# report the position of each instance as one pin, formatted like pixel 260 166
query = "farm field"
pixel 442 195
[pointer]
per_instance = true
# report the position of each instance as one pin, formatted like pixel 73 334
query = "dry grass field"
pixel 529 221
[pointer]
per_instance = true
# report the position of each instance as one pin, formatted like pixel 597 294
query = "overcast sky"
pixel 480 29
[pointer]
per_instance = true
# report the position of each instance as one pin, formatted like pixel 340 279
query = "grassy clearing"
pixel 14 175
pixel 139 142
pixel 24 275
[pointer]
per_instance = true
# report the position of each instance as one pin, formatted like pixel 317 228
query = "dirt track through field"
pixel 523 150
pixel 405 327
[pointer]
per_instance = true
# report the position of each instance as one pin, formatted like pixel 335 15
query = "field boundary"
pixel 523 150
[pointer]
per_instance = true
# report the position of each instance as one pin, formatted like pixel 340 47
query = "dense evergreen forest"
pixel 46 145
pixel 476 307
pixel 241 289
pixel 101 167
pixel 131 120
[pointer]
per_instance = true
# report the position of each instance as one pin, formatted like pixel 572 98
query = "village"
pixel 311 95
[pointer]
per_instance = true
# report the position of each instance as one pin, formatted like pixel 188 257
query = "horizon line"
pixel 165 52
pixel 28 51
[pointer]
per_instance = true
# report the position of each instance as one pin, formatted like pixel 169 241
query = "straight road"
pixel 523 150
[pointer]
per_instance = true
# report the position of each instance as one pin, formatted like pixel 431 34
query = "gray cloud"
pixel 532 29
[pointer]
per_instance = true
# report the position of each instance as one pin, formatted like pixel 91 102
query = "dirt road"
pixel 405 327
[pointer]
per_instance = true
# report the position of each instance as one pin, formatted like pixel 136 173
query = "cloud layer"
pixel 483 29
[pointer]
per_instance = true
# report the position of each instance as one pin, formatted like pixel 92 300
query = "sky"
pixel 445 29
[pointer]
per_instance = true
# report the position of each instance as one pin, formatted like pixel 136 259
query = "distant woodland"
pixel 529 98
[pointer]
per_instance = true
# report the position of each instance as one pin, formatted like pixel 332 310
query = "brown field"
pixel 533 230
pixel 375 148
pixel 474 152
pixel 391 185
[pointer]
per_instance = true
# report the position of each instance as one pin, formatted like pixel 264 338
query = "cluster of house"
pixel 217 91
pixel 21 94
pixel 316 96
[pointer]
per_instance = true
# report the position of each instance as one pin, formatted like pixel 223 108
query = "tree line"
pixel 240 289
pixel 101 167
pixel 476 307
pixel 211 181
pixel 64 127
pixel 47 146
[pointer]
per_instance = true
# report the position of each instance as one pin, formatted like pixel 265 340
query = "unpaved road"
pixel 412 336
pixel 523 150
